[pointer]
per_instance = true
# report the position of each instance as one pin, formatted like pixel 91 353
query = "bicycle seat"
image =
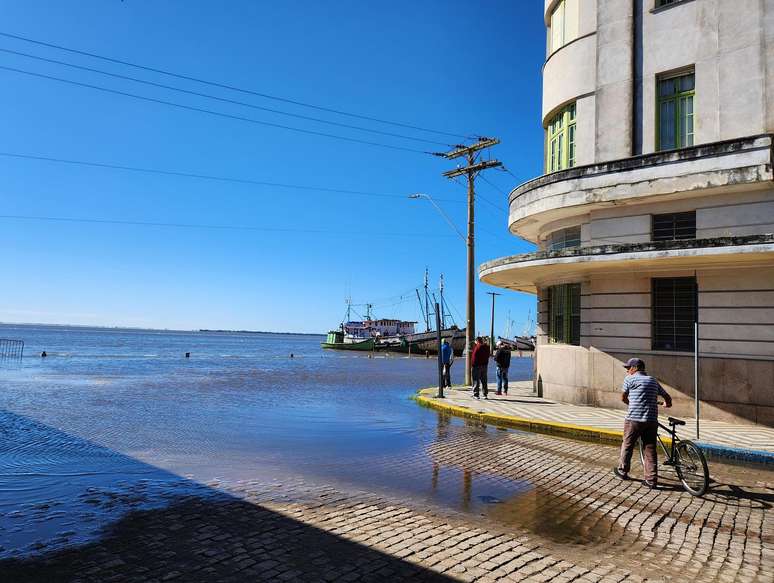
pixel 673 421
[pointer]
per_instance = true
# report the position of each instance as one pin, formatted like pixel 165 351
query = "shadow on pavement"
pixel 200 540
pixel 191 533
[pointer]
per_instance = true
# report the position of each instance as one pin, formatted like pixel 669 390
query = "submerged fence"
pixel 11 350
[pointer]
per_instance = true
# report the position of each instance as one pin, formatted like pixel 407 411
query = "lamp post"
pixel 469 331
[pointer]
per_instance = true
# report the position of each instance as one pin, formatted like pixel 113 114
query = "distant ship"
pixel 392 335
pixel 367 334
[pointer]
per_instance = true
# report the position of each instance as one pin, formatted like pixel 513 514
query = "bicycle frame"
pixel 670 453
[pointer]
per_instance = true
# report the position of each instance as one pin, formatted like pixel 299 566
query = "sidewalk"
pixel 520 409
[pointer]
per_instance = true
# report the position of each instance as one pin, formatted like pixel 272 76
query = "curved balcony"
pixel 529 271
pixel 569 74
pixel 732 165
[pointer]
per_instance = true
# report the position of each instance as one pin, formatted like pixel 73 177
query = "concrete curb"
pixel 426 398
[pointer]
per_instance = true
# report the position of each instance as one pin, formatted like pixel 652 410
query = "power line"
pixel 209 177
pixel 493 185
pixel 231 87
pixel 223 99
pixel 204 226
pixel 212 112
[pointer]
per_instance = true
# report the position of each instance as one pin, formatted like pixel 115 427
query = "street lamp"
pixel 468 241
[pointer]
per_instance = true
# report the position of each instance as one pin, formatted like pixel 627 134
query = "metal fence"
pixel 11 350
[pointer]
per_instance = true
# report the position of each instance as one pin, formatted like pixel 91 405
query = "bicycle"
pixel 685 457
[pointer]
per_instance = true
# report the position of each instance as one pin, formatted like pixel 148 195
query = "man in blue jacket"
pixel 447 358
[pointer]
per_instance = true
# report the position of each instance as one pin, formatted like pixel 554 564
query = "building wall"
pixel 725 42
pixel 720 215
pixel 736 345
pixel 730 45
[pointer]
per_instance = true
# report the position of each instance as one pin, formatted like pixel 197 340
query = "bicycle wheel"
pixel 691 468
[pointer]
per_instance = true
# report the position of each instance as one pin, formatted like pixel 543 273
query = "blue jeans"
pixel 502 379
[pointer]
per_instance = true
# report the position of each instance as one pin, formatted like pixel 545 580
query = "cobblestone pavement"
pixel 521 402
pixel 568 519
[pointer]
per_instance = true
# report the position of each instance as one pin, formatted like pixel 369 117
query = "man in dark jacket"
pixel 479 361
pixel 502 357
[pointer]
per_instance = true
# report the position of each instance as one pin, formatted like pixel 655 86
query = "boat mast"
pixel 427 304
pixel 443 315
pixel 421 307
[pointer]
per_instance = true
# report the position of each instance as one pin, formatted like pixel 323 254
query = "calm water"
pixel 116 419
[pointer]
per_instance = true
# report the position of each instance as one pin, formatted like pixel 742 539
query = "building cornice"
pixel 524 271
pixel 739 164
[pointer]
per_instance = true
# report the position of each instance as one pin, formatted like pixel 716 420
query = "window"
pixel 564 24
pixel 560 138
pixel 565 239
pixel 674 226
pixel 674 313
pixel 564 314
pixel 675 111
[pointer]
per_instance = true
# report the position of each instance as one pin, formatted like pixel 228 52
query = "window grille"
pixel 564 314
pixel 674 226
pixel 674 312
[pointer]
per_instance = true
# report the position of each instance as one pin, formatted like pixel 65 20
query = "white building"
pixel 657 203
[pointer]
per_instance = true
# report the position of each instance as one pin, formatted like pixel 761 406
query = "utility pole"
pixel 471 154
pixel 491 329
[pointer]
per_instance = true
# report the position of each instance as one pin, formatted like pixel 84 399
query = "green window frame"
pixel 675 111
pixel 563 24
pixel 564 314
pixel 560 140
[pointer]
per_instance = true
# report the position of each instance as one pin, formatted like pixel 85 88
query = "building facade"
pixel 656 208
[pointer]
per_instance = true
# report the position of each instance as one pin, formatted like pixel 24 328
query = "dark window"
pixel 564 313
pixel 674 313
pixel 660 3
pixel 674 226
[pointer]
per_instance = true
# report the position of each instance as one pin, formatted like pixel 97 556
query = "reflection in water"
pixel 561 519
pixel 467 485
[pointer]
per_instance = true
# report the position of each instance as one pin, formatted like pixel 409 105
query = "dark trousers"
pixel 647 431
pixel 502 380
pixel 446 374
pixel 479 379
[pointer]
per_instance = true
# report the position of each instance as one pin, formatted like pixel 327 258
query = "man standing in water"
pixel 479 362
pixel 641 393
pixel 447 358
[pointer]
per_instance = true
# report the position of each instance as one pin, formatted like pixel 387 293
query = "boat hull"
pixel 427 342
pixel 367 344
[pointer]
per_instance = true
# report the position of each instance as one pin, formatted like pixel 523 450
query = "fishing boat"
pixel 366 334
pixel 518 343
pixel 427 342
pixel 337 340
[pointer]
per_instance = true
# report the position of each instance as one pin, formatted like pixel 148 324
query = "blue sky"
pixel 441 64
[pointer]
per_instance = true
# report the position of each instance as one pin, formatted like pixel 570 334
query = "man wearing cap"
pixel 640 392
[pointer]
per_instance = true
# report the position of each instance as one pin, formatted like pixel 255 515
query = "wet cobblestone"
pixel 571 521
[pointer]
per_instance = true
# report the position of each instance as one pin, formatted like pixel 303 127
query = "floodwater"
pixel 116 420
